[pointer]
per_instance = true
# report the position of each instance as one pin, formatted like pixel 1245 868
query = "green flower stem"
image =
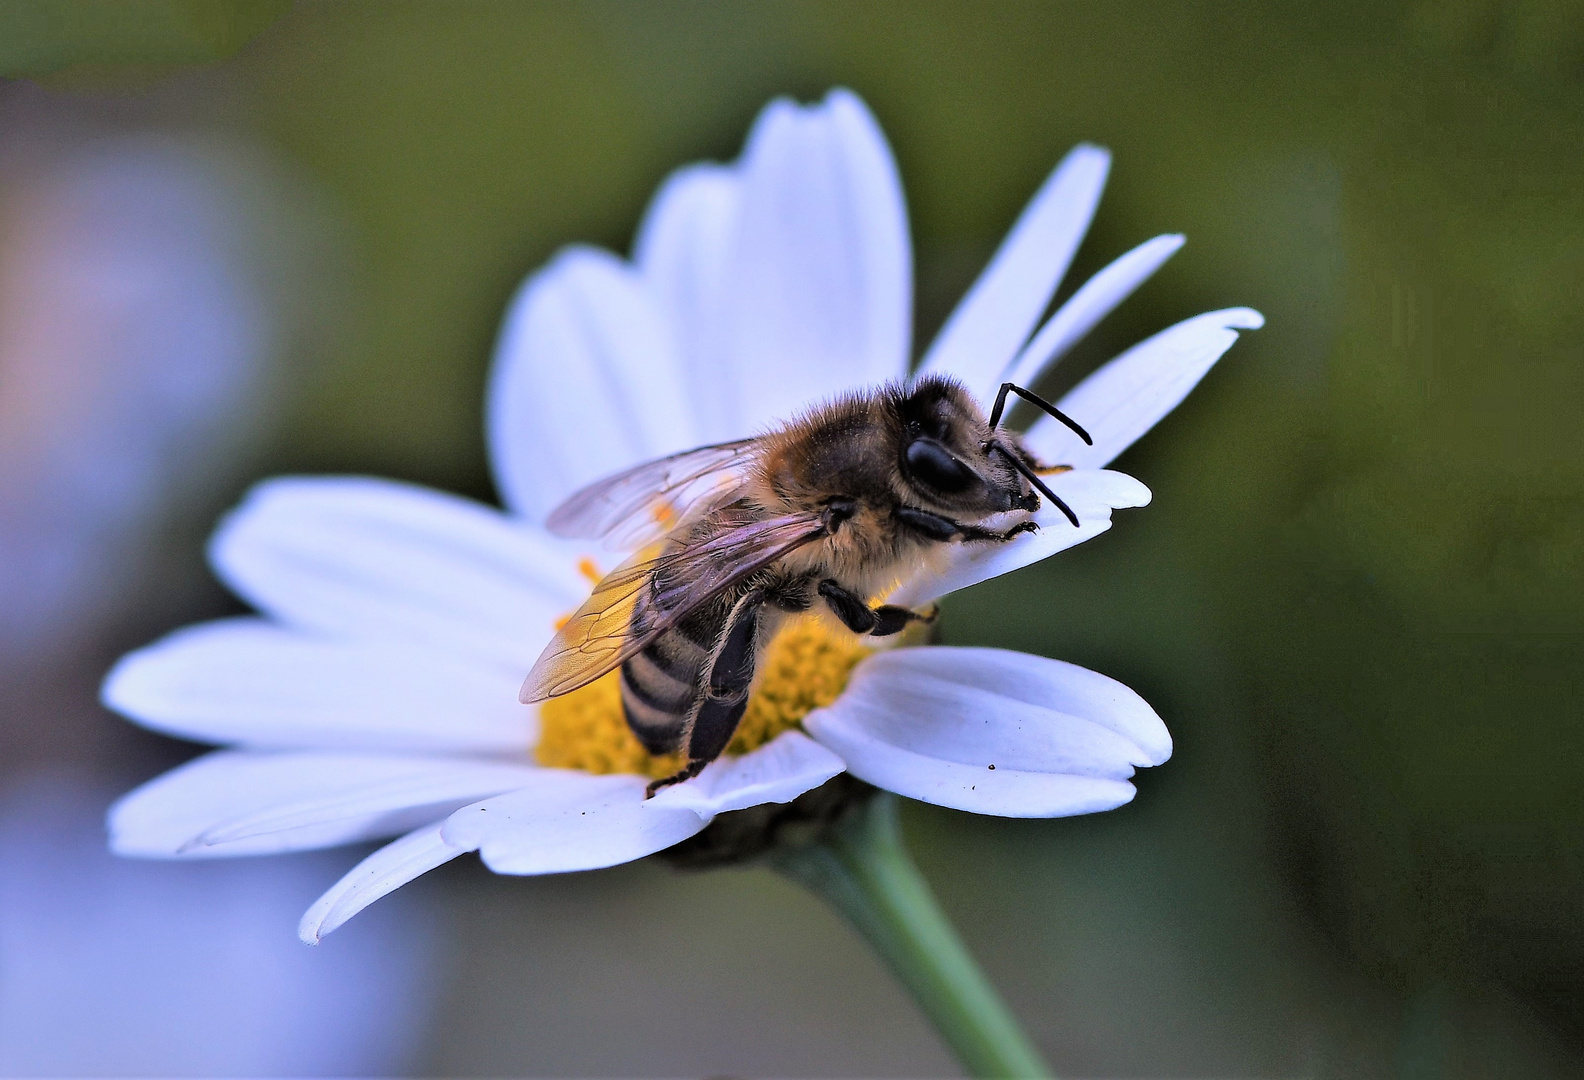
pixel 863 870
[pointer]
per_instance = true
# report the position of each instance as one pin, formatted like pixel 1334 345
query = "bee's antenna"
pixel 1034 399
pixel 1033 477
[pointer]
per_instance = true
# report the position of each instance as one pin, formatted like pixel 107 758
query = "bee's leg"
pixel 789 594
pixel 891 619
pixel 693 769
pixel 725 699
pixel 848 606
pixel 860 618
pixel 943 529
pixel 973 532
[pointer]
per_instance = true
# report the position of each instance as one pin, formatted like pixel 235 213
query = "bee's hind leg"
pixel 692 770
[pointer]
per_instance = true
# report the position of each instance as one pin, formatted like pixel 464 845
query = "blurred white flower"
pixel 113 968
pixel 377 694
pixel 148 286
pixel 130 334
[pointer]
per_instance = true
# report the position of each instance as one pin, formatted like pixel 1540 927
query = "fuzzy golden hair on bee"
pixel 861 439
pixel 827 510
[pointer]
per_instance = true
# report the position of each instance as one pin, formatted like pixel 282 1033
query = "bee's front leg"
pixel 944 529
pixel 973 532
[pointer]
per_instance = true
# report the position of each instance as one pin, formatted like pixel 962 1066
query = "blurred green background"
pixel 1357 599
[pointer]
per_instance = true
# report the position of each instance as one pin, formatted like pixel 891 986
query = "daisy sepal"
pixel 355 557
pixel 243 803
pixel 991 732
pixel 985 331
pixel 383 872
pixel 1090 493
pixel 1130 394
pixel 249 682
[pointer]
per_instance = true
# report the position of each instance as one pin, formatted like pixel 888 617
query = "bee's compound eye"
pixel 931 463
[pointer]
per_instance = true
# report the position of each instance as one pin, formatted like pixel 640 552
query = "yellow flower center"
pixel 805 668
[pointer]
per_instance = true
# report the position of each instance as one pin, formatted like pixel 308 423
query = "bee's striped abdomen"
pixel 661 684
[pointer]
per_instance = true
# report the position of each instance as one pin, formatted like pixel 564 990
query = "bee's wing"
pixel 638 506
pixel 600 636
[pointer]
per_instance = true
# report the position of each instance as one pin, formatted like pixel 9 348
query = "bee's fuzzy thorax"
pixel 824 515
pixel 854 447
pixel 845 448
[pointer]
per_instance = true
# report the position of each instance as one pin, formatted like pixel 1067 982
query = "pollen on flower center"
pixel 806 667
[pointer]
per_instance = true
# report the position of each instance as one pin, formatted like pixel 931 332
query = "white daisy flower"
pixel 376 693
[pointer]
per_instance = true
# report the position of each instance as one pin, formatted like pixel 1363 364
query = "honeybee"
pixel 832 508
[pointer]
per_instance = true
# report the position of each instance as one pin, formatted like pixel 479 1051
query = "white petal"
pixel 115 967
pixel 385 871
pixel 1091 493
pixel 779 771
pixel 821 269
pixel 969 725
pixel 250 682
pixel 990 732
pixel 1040 681
pixel 1092 302
pixel 372 559
pixel 1126 397
pixel 230 803
pixel 999 312
pixel 568 820
pixel 1002 792
pixel 683 251
pixel 586 382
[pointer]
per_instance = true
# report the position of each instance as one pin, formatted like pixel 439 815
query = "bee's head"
pixel 946 458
